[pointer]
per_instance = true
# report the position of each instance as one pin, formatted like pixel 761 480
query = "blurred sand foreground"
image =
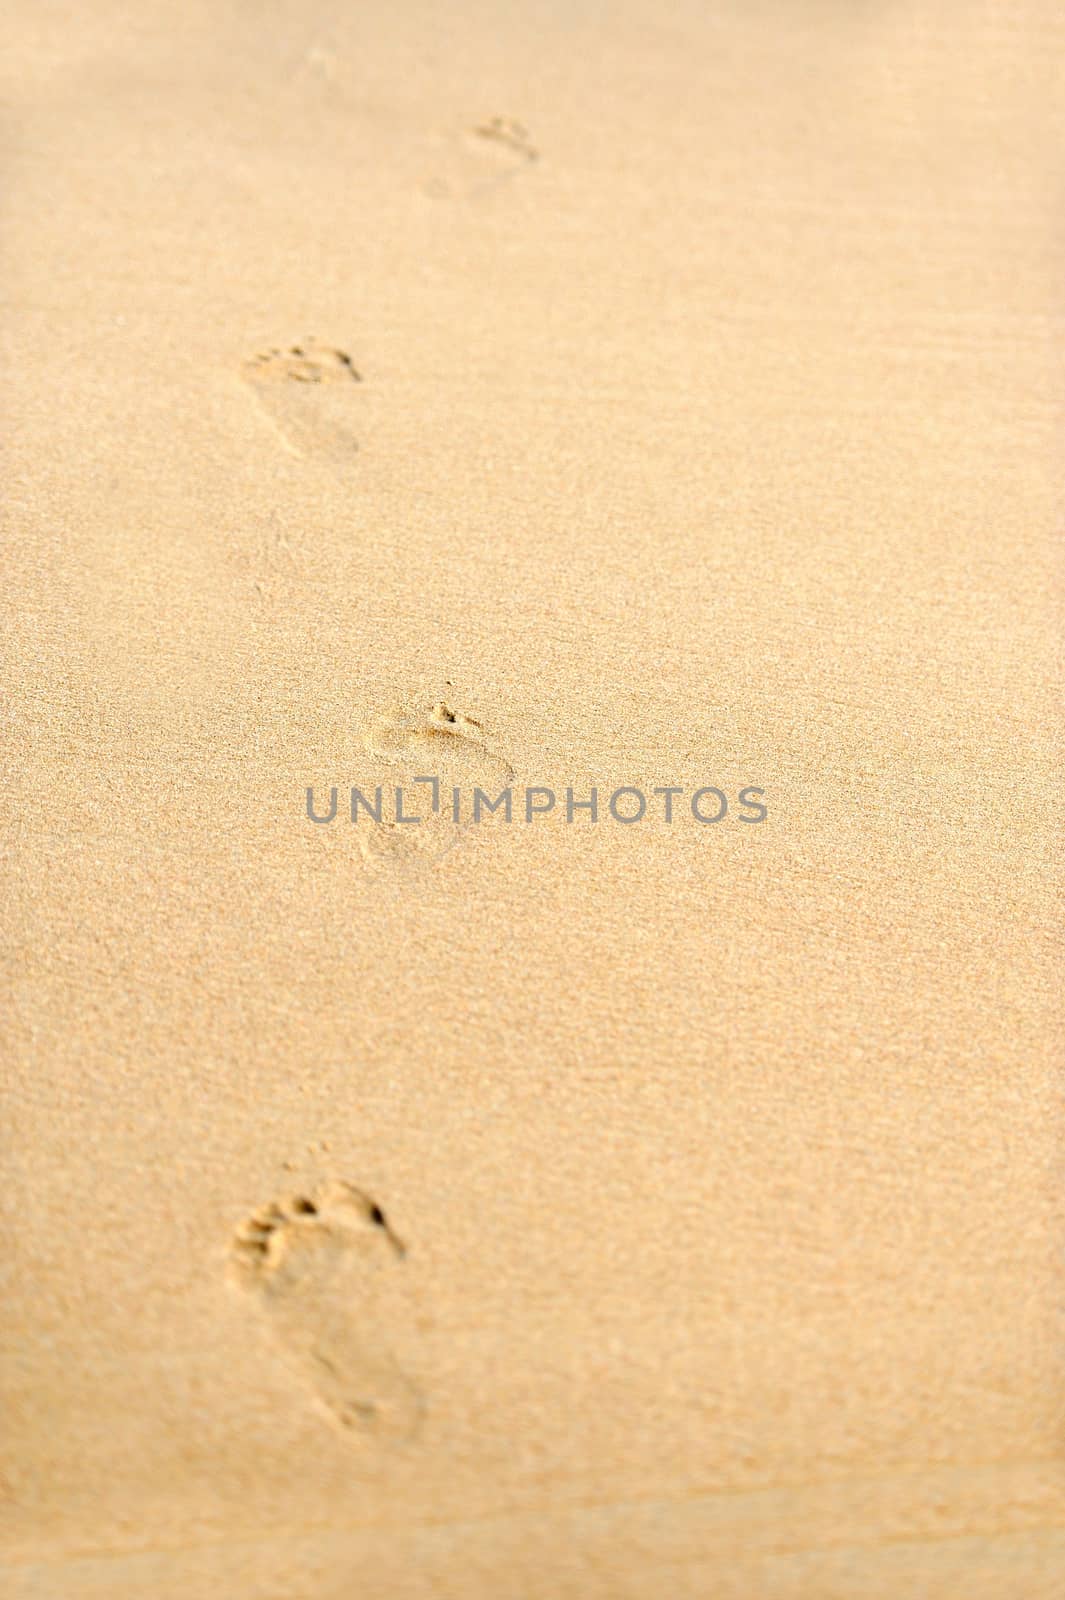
pixel 573 395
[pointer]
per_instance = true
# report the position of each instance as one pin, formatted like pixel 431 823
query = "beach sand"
pixel 562 396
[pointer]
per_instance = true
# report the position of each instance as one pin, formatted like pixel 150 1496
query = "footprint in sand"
pixel 429 742
pixel 482 159
pixel 327 1272
pixel 510 134
pixel 306 392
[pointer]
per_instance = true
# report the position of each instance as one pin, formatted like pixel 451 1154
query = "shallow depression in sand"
pixel 327 1272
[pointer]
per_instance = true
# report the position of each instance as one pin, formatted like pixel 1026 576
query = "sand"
pixel 551 397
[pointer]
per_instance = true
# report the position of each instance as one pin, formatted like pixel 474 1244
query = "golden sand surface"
pixel 546 396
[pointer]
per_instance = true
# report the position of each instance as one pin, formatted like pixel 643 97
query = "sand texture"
pixel 532 397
